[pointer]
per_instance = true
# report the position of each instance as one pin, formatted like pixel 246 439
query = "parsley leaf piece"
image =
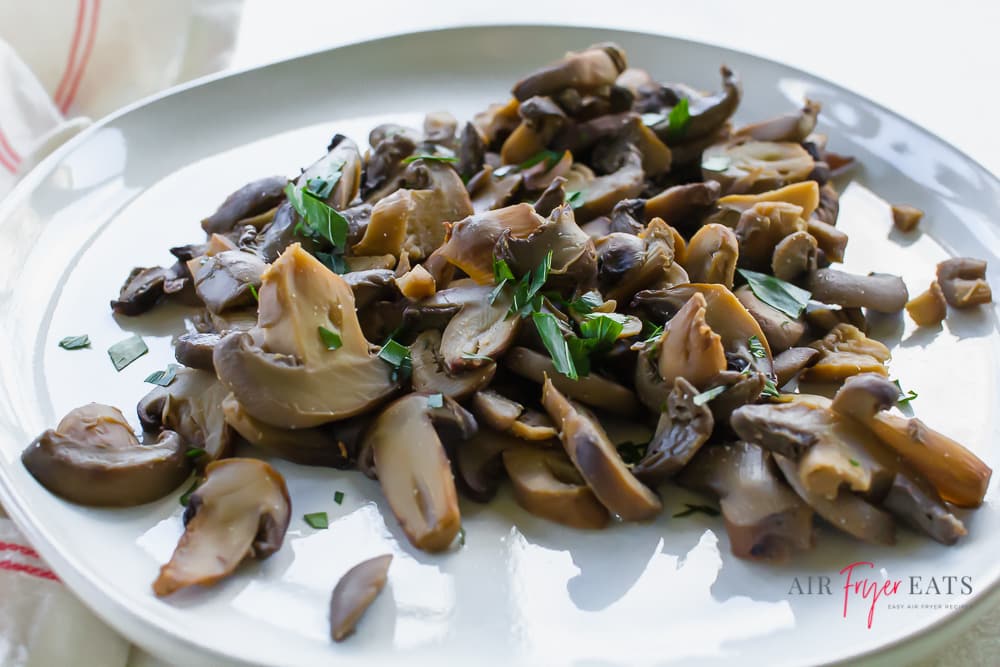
pixel 396 355
pixel 770 389
pixel 163 378
pixel 430 158
pixel 528 286
pixel 194 452
pixel 318 218
pixel 435 401
pixel 253 291
pixel 317 520
pixel 854 463
pixel 332 261
pixel 650 331
pixel 786 297
pixel 691 509
pixel 126 351
pixel 186 496
pixel 602 328
pixel 330 338
pixel 904 396
pixel 679 119
pixel 550 158
pixel 322 186
pixel 707 395
pixel 554 341
pixel 586 303
pixel 756 347
pixel 574 199
pixel 338 497
pixel 472 356
pixel 75 342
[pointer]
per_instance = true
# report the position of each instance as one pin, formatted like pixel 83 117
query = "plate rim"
pixel 141 630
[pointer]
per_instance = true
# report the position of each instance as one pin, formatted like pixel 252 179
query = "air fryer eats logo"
pixel 863 589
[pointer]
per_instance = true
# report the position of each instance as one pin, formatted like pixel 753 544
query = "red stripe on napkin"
pixel 18 548
pixel 30 570
pixel 73 51
pixel 78 75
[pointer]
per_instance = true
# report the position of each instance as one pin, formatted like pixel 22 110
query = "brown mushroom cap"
pixel 757 166
pixel 92 457
pixel 253 198
pixel 878 291
pixel 479 330
pixel 431 374
pixel 240 511
pixel 470 242
pixel 547 485
pixel 479 464
pixel 225 280
pixel 597 459
pixel 688 348
pixel 794 126
pixel 281 371
pixel 683 428
pixel 791 362
pixel 711 255
pixel 963 282
pixel 846 351
pixel 781 331
pixel 414 471
pixel 195 350
pixel 584 71
pixel 354 592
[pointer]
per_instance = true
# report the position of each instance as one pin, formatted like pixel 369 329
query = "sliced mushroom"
pixel 762 227
pixel 574 258
pixel 226 280
pixel 354 593
pixel 414 471
pixel 711 255
pixel 370 286
pixel 384 169
pixel 794 257
pixel 791 362
pixel 592 389
pixel 479 467
pixel 431 374
pixel 92 457
pixel 963 282
pixel 805 195
pixel 240 511
pixel 480 330
pixel 195 350
pixel 342 166
pixel 764 518
pixel 599 194
pixel 829 205
pixel 585 71
pixel 928 308
pixel 683 205
pixel 416 284
pixel 830 240
pixel 282 370
pixel 439 128
pixel 489 190
pixel 844 352
pixel 597 459
pixel 683 428
pixel 497 122
pixel 878 291
pixel 906 218
pixel 757 166
pixel 794 126
pixel 688 348
pixel 470 242
pixel 250 200
pixel 191 407
pixel 144 288
pixel 471 151
pixel 706 112
pixel 547 485
pixel 781 331
pixel 958 475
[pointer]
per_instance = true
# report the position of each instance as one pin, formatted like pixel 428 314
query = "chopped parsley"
pixel 586 303
pixel 338 497
pixel 330 338
pixel 253 292
pixel 786 297
pixel 163 378
pixel 75 342
pixel 904 396
pixel 679 119
pixel 707 395
pixel 195 452
pixel 322 186
pixel 692 509
pixel 396 355
pixel 756 347
pixel 472 356
pixel 186 496
pixel 574 199
pixel 319 221
pixel 317 520
pixel 430 158
pixel 552 338
pixel 126 351
pixel 853 462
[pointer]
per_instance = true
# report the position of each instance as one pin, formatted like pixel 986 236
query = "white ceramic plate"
pixel 521 590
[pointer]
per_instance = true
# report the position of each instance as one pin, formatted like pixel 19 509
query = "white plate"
pixel 521 590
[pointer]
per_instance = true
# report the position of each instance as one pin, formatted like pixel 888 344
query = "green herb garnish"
pixel 528 286
pixel 783 296
pixel 905 396
pixel 330 338
pixel 322 186
pixel 396 355
pixel 716 163
pixel 770 389
pixel 853 462
pixel 317 520
pixel 338 497
pixel 550 158
pixel 650 332
pixel 186 496
pixel 707 395
pixel 501 276
pixel 163 378
pixel 602 328
pixel 126 351
pixel 574 199
pixel 431 158
pixel 691 509
pixel 679 118
pixel 472 356
pixel 435 401
pixel 194 452
pixel 554 341
pixel 318 220
pixel 75 342
pixel 586 303
pixel 756 347
pixel 253 292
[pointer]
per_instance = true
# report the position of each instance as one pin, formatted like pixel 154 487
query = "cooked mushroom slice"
pixel 354 592
pixel 490 191
pixel 847 512
pixel 586 71
pixel 195 350
pixel 830 240
pixel 191 407
pixel 416 284
pixel 479 330
pixel 963 282
pixel 913 500
pixel 370 286
pixel 928 308
pixel 878 291
pixel 762 227
pixel 250 200
pixel 574 259
pixel 906 218
pixel 533 425
pixel 554 195
pixel 794 126
pixel 144 288
pixel 662 247
pixel 805 195
pixel 764 518
pixel 683 428
pixel 495 410
pixel 547 485
pixel 339 170
pixel 282 371
pixel 471 151
pixel 333 445
pixel 439 128
pixel 414 471
pixel 683 205
pixel 781 331
pixel 756 166
pixel 470 242
pixel 479 465
pixel 384 169
pixel 829 205
pixel 711 255
pixel 591 389
pixel 541 175
pixel 707 112
pixel 497 122
pixel 688 348
pixel 844 352
pixel 618 253
pixel 791 362
pixel 958 475
pixel 599 194
pixel 542 119
pixel 597 459
pixel 92 457
pixel 431 374
pixel 794 257
pixel 226 280
pixel 240 511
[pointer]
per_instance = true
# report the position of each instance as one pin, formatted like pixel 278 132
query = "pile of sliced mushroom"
pixel 597 287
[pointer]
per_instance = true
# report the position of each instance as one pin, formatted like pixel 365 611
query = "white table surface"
pixel 934 63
